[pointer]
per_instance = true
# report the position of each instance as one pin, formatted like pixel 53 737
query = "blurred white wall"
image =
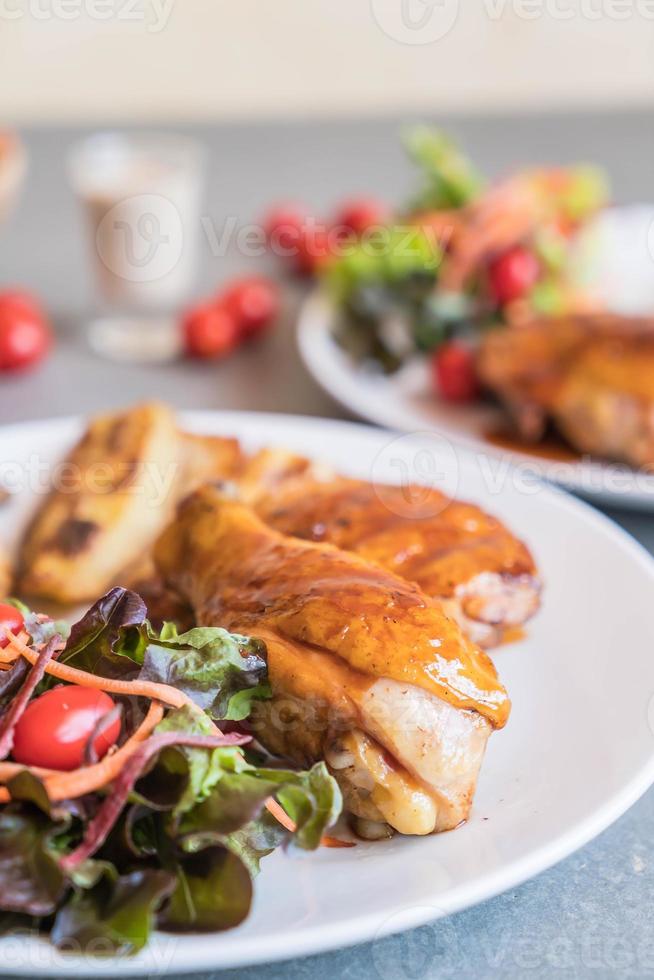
pixel 151 59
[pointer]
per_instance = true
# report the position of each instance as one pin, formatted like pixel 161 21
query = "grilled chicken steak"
pixel 592 375
pixel 484 575
pixel 367 671
pixel 125 476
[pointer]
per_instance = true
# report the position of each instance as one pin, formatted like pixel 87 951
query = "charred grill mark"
pixel 73 536
pixel 116 435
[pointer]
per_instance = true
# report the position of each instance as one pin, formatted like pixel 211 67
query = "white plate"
pixel 621 267
pixel 578 749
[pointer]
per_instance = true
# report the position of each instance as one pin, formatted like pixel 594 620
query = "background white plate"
pixel 619 261
pixel 578 749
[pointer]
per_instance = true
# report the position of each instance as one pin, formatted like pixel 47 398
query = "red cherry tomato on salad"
pixel 283 226
pixel 254 303
pixel 55 728
pixel 12 619
pixel 314 249
pixel 513 274
pixel 24 331
pixel 360 215
pixel 210 331
pixel 454 374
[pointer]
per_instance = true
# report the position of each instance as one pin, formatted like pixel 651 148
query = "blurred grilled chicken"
pixel 484 575
pixel 5 573
pixel 592 375
pixel 112 496
pixel 366 671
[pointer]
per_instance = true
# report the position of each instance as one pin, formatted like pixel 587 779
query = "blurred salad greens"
pixel 464 255
pixel 448 177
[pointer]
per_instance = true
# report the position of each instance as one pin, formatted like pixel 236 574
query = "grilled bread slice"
pixel 202 459
pixel 109 499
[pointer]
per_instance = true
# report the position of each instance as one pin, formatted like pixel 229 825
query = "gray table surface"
pixel 591 915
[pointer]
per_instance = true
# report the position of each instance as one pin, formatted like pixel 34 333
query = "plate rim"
pixel 326 364
pixel 322 938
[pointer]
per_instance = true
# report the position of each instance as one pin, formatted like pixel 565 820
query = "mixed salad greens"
pixel 462 255
pixel 165 828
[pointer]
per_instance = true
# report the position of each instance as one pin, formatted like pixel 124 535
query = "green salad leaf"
pixel 404 252
pixel 313 800
pixel 31 881
pixel 116 915
pixel 222 672
pixel 213 891
pixel 40 628
pixel 449 179
pixel 256 840
pixel 587 191
pixel 235 801
pixel 111 637
pixel 178 842
pixel 182 775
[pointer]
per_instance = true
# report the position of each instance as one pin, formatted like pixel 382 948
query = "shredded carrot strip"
pixel 280 814
pixel 69 785
pixel 10 769
pixel 147 689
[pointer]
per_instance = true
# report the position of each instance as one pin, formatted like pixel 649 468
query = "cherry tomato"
pixel 314 249
pixel 360 215
pixel 54 729
pixel 283 226
pixel 513 274
pixel 454 374
pixel 24 331
pixel 20 299
pixel 12 619
pixel 210 331
pixel 254 303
